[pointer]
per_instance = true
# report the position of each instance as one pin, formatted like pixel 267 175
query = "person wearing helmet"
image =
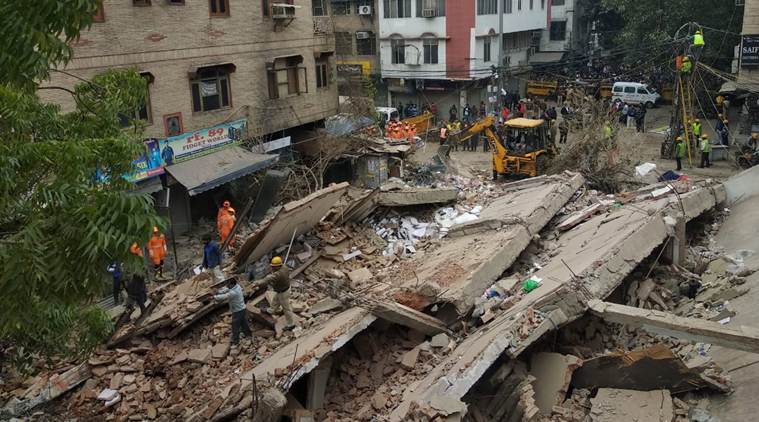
pixel 705 148
pixel 221 213
pixel 696 129
pixel 279 281
pixel 723 132
pixel 157 251
pixel 679 152
pixel 698 45
pixel 687 66
pixel 753 141
pixel 226 224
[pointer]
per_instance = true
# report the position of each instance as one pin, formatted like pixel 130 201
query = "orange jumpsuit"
pixel 219 214
pixel 157 248
pixel 226 223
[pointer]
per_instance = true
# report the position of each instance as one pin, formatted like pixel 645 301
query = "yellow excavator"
pixel 526 149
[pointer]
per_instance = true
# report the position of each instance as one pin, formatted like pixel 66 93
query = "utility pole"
pixel 499 68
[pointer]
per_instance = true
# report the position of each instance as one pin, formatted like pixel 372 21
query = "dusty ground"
pixel 737 233
pixel 641 147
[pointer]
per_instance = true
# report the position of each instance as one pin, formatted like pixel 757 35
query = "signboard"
pixel 276 144
pixel 176 149
pixel 750 51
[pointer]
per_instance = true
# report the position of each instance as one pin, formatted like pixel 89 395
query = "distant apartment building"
pixel 218 72
pixel 355 24
pixel 444 51
pixel 567 31
pixel 748 69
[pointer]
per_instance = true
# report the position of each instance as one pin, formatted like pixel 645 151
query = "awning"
pixel 148 186
pixel 209 171
pixel 546 57
pixel 728 88
pixel 229 66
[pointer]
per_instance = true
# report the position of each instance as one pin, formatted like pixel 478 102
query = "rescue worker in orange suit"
pixel 226 223
pixel 223 211
pixel 157 251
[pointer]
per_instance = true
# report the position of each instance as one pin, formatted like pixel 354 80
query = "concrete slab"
pixel 416 196
pixel 476 254
pixel 300 216
pixel 693 329
pixel 613 405
pixel 591 261
pixel 311 349
pixel 553 374
pixel 408 317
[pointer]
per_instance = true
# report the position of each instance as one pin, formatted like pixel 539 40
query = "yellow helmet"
pixel 698 31
pixel 679 138
pixel 276 261
pixel 704 136
pixel 754 135
pixel 686 59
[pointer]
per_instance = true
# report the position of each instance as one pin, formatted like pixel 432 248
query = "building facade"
pixel 213 61
pixel 446 51
pixel 355 24
pixel 567 29
pixel 219 72
pixel 748 68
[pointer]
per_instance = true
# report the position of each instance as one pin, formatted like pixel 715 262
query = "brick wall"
pixel 169 40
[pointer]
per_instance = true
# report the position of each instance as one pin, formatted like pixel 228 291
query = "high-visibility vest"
pixel 680 149
pixel 697 128
pixel 706 146
pixel 698 39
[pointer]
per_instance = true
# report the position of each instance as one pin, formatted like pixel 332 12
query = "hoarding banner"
pixel 176 149
pixel 750 50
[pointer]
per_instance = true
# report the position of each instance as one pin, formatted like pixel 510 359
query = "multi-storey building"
pixel 355 24
pixel 444 52
pixel 748 70
pixel 567 29
pixel 263 68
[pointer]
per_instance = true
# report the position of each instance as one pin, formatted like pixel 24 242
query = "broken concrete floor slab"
pixel 478 253
pixel 692 329
pixel 591 261
pixel 416 196
pixel 297 216
pixel 613 405
pixel 553 375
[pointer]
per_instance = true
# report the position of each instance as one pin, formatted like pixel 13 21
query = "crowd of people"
pixel 135 285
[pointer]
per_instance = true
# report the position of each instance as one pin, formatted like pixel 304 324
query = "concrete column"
pixel 676 250
pixel 317 385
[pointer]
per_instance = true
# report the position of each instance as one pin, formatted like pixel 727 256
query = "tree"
pixel 66 210
pixel 652 23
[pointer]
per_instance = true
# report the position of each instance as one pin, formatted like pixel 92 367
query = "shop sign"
pixel 750 50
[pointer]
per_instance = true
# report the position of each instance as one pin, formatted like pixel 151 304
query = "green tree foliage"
pixel 60 225
pixel 35 35
pixel 653 22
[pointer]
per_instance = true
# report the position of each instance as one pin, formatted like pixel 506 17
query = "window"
pixel 367 44
pixel 317 7
pixel 344 43
pixel 617 89
pixel 557 3
pixel 487 7
pixel 286 77
pixel 99 16
pixel 507 6
pixel 519 4
pixel 210 89
pixel 543 4
pixel 558 30
pixel 219 8
pixel 322 73
pixel 486 50
pixel 341 7
pixel 397 8
pixel 143 112
pixel 176 2
pixel 630 89
pixel 140 2
pixel 438 6
pixel 642 91
pixel 172 124
pixel 398 51
pixel 531 4
pixel 430 50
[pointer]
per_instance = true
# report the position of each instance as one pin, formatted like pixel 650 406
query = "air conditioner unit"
pixel 362 35
pixel 282 11
pixel 429 13
pixel 365 10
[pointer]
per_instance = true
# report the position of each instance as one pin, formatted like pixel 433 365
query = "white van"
pixel 387 113
pixel 635 93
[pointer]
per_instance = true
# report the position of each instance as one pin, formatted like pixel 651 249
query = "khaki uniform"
pixel 280 283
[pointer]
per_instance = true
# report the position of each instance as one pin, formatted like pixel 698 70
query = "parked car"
pixel 635 93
